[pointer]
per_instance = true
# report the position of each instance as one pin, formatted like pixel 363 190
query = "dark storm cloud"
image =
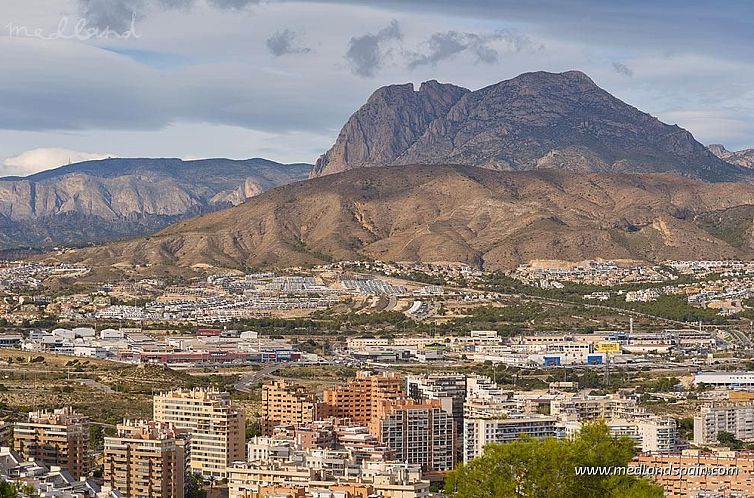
pixel 366 53
pixel 285 42
pixel 623 69
pixel 442 46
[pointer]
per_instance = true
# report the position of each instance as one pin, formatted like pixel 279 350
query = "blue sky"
pixel 277 79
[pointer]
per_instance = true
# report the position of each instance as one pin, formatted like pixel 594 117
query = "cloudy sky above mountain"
pixel 277 79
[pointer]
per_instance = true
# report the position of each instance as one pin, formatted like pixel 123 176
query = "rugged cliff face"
pixel 486 218
pixel 100 200
pixel 391 121
pixel 534 121
pixel 744 158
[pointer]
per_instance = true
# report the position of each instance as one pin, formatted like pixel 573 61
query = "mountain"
pixel 392 120
pixel 490 219
pixel 533 121
pixel 95 201
pixel 744 158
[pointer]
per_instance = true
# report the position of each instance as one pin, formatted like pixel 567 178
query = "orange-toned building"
pixel 286 404
pixel 360 398
pixel 59 437
pixel 695 473
pixel 146 460
pixel 346 490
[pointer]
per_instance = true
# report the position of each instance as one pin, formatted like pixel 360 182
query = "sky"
pixel 87 79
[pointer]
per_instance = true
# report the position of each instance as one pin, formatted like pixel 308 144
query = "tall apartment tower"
pixel 217 428
pixel 420 432
pixel 60 437
pixel 448 388
pixel 146 459
pixel 286 404
pixel 738 419
pixel 361 398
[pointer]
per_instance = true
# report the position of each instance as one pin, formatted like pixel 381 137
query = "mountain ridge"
pixel 536 120
pixel 743 158
pixel 490 219
pixel 96 201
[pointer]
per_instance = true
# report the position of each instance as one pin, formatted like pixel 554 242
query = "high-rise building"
pixel 655 434
pixel 360 399
pixel 486 422
pixel 737 419
pixel 146 459
pixel 217 428
pixel 59 438
pixel 286 404
pixel 452 390
pixel 448 388
pixel 588 407
pixel 418 432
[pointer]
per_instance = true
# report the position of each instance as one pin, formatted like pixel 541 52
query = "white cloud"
pixel 36 160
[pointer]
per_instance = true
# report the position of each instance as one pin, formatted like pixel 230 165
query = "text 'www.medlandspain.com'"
pixel 667 470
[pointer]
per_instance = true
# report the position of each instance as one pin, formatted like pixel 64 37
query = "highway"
pixel 248 381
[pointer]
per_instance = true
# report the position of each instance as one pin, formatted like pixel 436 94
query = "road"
pixel 741 337
pixel 248 381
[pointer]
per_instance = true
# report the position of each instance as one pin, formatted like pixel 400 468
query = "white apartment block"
pixel 651 434
pixel 486 423
pixel 735 419
pixel 585 407
pixel 217 428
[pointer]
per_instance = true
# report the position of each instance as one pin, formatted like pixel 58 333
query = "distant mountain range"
pixel 489 219
pixel 744 158
pixel 542 166
pixel 95 201
pixel 533 121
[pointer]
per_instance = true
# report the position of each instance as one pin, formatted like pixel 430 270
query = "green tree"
pixel 544 468
pixel 729 440
pixel 7 490
pixel 193 486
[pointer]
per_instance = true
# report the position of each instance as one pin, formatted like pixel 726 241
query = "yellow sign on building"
pixel 608 347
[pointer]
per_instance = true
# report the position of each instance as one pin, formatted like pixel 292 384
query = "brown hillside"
pixel 457 213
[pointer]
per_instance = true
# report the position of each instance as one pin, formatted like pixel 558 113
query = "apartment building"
pixel 217 428
pixel 146 459
pixel 360 399
pixel 448 388
pixel 452 390
pixel 697 474
pixel 286 404
pixel 737 419
pixel 654 434
pixel 384 479
pixel 658 434
pixel 418 432
pixel 486 422
pixel 56 438
pixel 585 407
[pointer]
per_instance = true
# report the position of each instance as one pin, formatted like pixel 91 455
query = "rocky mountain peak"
pixel 392 119
pixel 533 121
pixel 743 158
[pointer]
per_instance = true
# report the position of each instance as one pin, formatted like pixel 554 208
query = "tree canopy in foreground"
pixel 545 468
